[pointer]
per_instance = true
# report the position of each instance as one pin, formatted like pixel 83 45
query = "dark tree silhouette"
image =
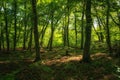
pixel 35 22
pixel 86 52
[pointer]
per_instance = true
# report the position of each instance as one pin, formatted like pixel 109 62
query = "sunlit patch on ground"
pixel 63 60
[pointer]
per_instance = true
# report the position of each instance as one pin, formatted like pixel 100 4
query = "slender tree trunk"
pixel 97 33
pixel 19 31
pixel 86 52
pixel 0 42
pixel 108 40
pixel 67 22
pixel 43 33
pixel 64 31
pixel 66 37
pixel 35 23
pixel 25 25
pixel 1 24
pixel 82 27
pixel 67 27
pixel 52 31
pixel 0 36
pixel 3 38
pixel 101 34
pixel 63 35
pixel 119 24
pixel 6 27
pixel 75 32
pixel 30 40
pixel 30 36
pixel 15 24
pixel 101 37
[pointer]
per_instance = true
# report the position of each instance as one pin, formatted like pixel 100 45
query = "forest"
pixel 60 40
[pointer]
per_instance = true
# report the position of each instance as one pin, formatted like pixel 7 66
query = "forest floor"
pixel 56 65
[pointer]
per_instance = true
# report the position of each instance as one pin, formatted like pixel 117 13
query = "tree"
pixel 52 25
pixel 82 26
pixel 35 23
pixel 108 40
pixel 75 29
pixel 86 52
pixel 68 22
pixel 6 25
pixel 25 24
pixel 15 24
pixel 100 34
pixel 0 27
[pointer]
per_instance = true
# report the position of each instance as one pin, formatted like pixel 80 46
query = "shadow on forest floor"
pixel 57 67
pixel 70 68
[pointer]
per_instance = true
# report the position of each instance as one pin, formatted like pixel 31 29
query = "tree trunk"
pixel 30 36
pixel 82 27
pixel 15 24
pixel 100 34
pixel 75 32
pixel 67 27
pixel 6 27
pixel 86 52
pixel 35 23
pixel 52 31
pixel 19 31
pixel 2 39
pixel 0 42
pixel 0 36
pixel 25 25
pixel 108 40
pixel 30 40
pixel 42 34
pixel 96 33
pixel 64 31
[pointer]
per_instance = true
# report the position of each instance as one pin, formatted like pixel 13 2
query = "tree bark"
pixel 0 36
pixel 75 31
pixel 108 40
pixel 15 24
pixel 35 23
pixel 25 25
pixel 82 27
pixel 86 52
pixel 43 33
pixel 68 19
pixel 52 30
pixel 6 27
pixel 30 40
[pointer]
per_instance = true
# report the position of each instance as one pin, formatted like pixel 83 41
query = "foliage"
pixel 59 22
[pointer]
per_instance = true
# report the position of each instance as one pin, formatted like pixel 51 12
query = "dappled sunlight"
pixel 63 60
pixel 59 40
pixel 60 67
pixel 100 55
pixel 69 68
